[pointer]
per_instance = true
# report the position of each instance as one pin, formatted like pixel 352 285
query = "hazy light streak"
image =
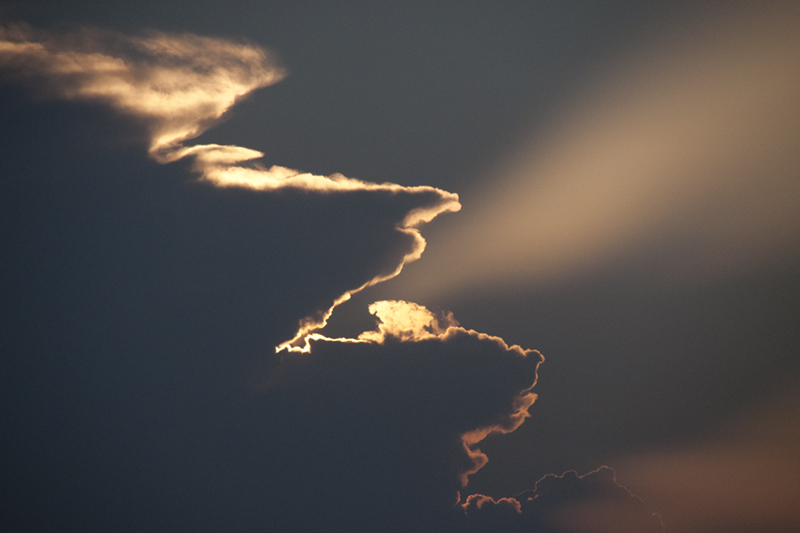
pixel 689 148
pixel 180 85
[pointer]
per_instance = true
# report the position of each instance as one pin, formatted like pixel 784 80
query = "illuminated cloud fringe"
pixel 406 321
pixel 569 502
pixel 401 322
pixel 179 85
pixel 465 385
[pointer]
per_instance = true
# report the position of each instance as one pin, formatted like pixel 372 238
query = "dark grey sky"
pixel 141 308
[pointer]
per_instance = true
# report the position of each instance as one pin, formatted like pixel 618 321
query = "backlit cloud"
pixel 391 419
pixel 405 405
pixel 593 502
pixel 405 321
pixel 179 85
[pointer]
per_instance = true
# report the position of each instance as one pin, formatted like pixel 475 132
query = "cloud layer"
pixel 177 84
pixel 390 420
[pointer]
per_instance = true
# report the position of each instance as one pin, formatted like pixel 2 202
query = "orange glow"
pixel 747 478
pixel 692 143
pixel 406 321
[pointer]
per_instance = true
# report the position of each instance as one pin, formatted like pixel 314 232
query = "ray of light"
pixel 689 149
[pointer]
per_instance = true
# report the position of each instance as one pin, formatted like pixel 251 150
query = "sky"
pixel 426 266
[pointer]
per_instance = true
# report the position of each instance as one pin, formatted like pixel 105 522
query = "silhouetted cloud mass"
pixel 567 503
pixel 391 426
pixel 144 311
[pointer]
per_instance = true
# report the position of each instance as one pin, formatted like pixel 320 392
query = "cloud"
pixel 161 317
pixel 179 85
pixel 139 308
pixel 681 157
pixel 594 502
pixel 392 417
pixel 174 305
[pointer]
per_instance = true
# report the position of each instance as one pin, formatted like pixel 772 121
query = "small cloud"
pixel 594 502
pixel 177 84
pixel 406 321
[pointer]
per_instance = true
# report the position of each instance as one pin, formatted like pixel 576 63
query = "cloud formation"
pixel 593 502
pixel 405 406
pixel 139 308
pixel 405 321
pixel 178 86
pixel 352 432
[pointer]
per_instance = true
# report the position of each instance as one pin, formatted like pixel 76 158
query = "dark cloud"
pixel 137 306
pixel 142 308
pixel 176 87
pixel 567 503
pixel 372 435
pixel 137 303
